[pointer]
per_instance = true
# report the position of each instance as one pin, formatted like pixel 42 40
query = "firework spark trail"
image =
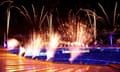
pixel 37 43
pixel 8 21
pixel 75 33
pixel 52 46
pixel 114 17
pixel 107 18
pixel 82 41
pixel 34 46
pixel 78 34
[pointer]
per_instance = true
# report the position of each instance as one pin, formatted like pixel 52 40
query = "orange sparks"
pixel 52 46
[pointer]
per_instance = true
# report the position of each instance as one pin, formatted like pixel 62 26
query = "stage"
pixel 13 63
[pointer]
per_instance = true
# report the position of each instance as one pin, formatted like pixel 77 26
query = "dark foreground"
pixel 12 63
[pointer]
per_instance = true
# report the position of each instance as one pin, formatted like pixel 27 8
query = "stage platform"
pixel 13 63
pixel 94 55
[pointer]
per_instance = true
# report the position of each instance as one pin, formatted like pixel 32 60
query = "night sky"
pixel 18 24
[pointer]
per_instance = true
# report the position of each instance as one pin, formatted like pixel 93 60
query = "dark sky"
pixel 18 23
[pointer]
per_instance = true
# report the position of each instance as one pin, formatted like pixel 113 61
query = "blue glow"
pixel 98 55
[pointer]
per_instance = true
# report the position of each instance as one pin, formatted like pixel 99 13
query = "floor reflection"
pixel 12 63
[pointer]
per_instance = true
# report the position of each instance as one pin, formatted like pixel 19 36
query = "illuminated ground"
pixel 12 63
